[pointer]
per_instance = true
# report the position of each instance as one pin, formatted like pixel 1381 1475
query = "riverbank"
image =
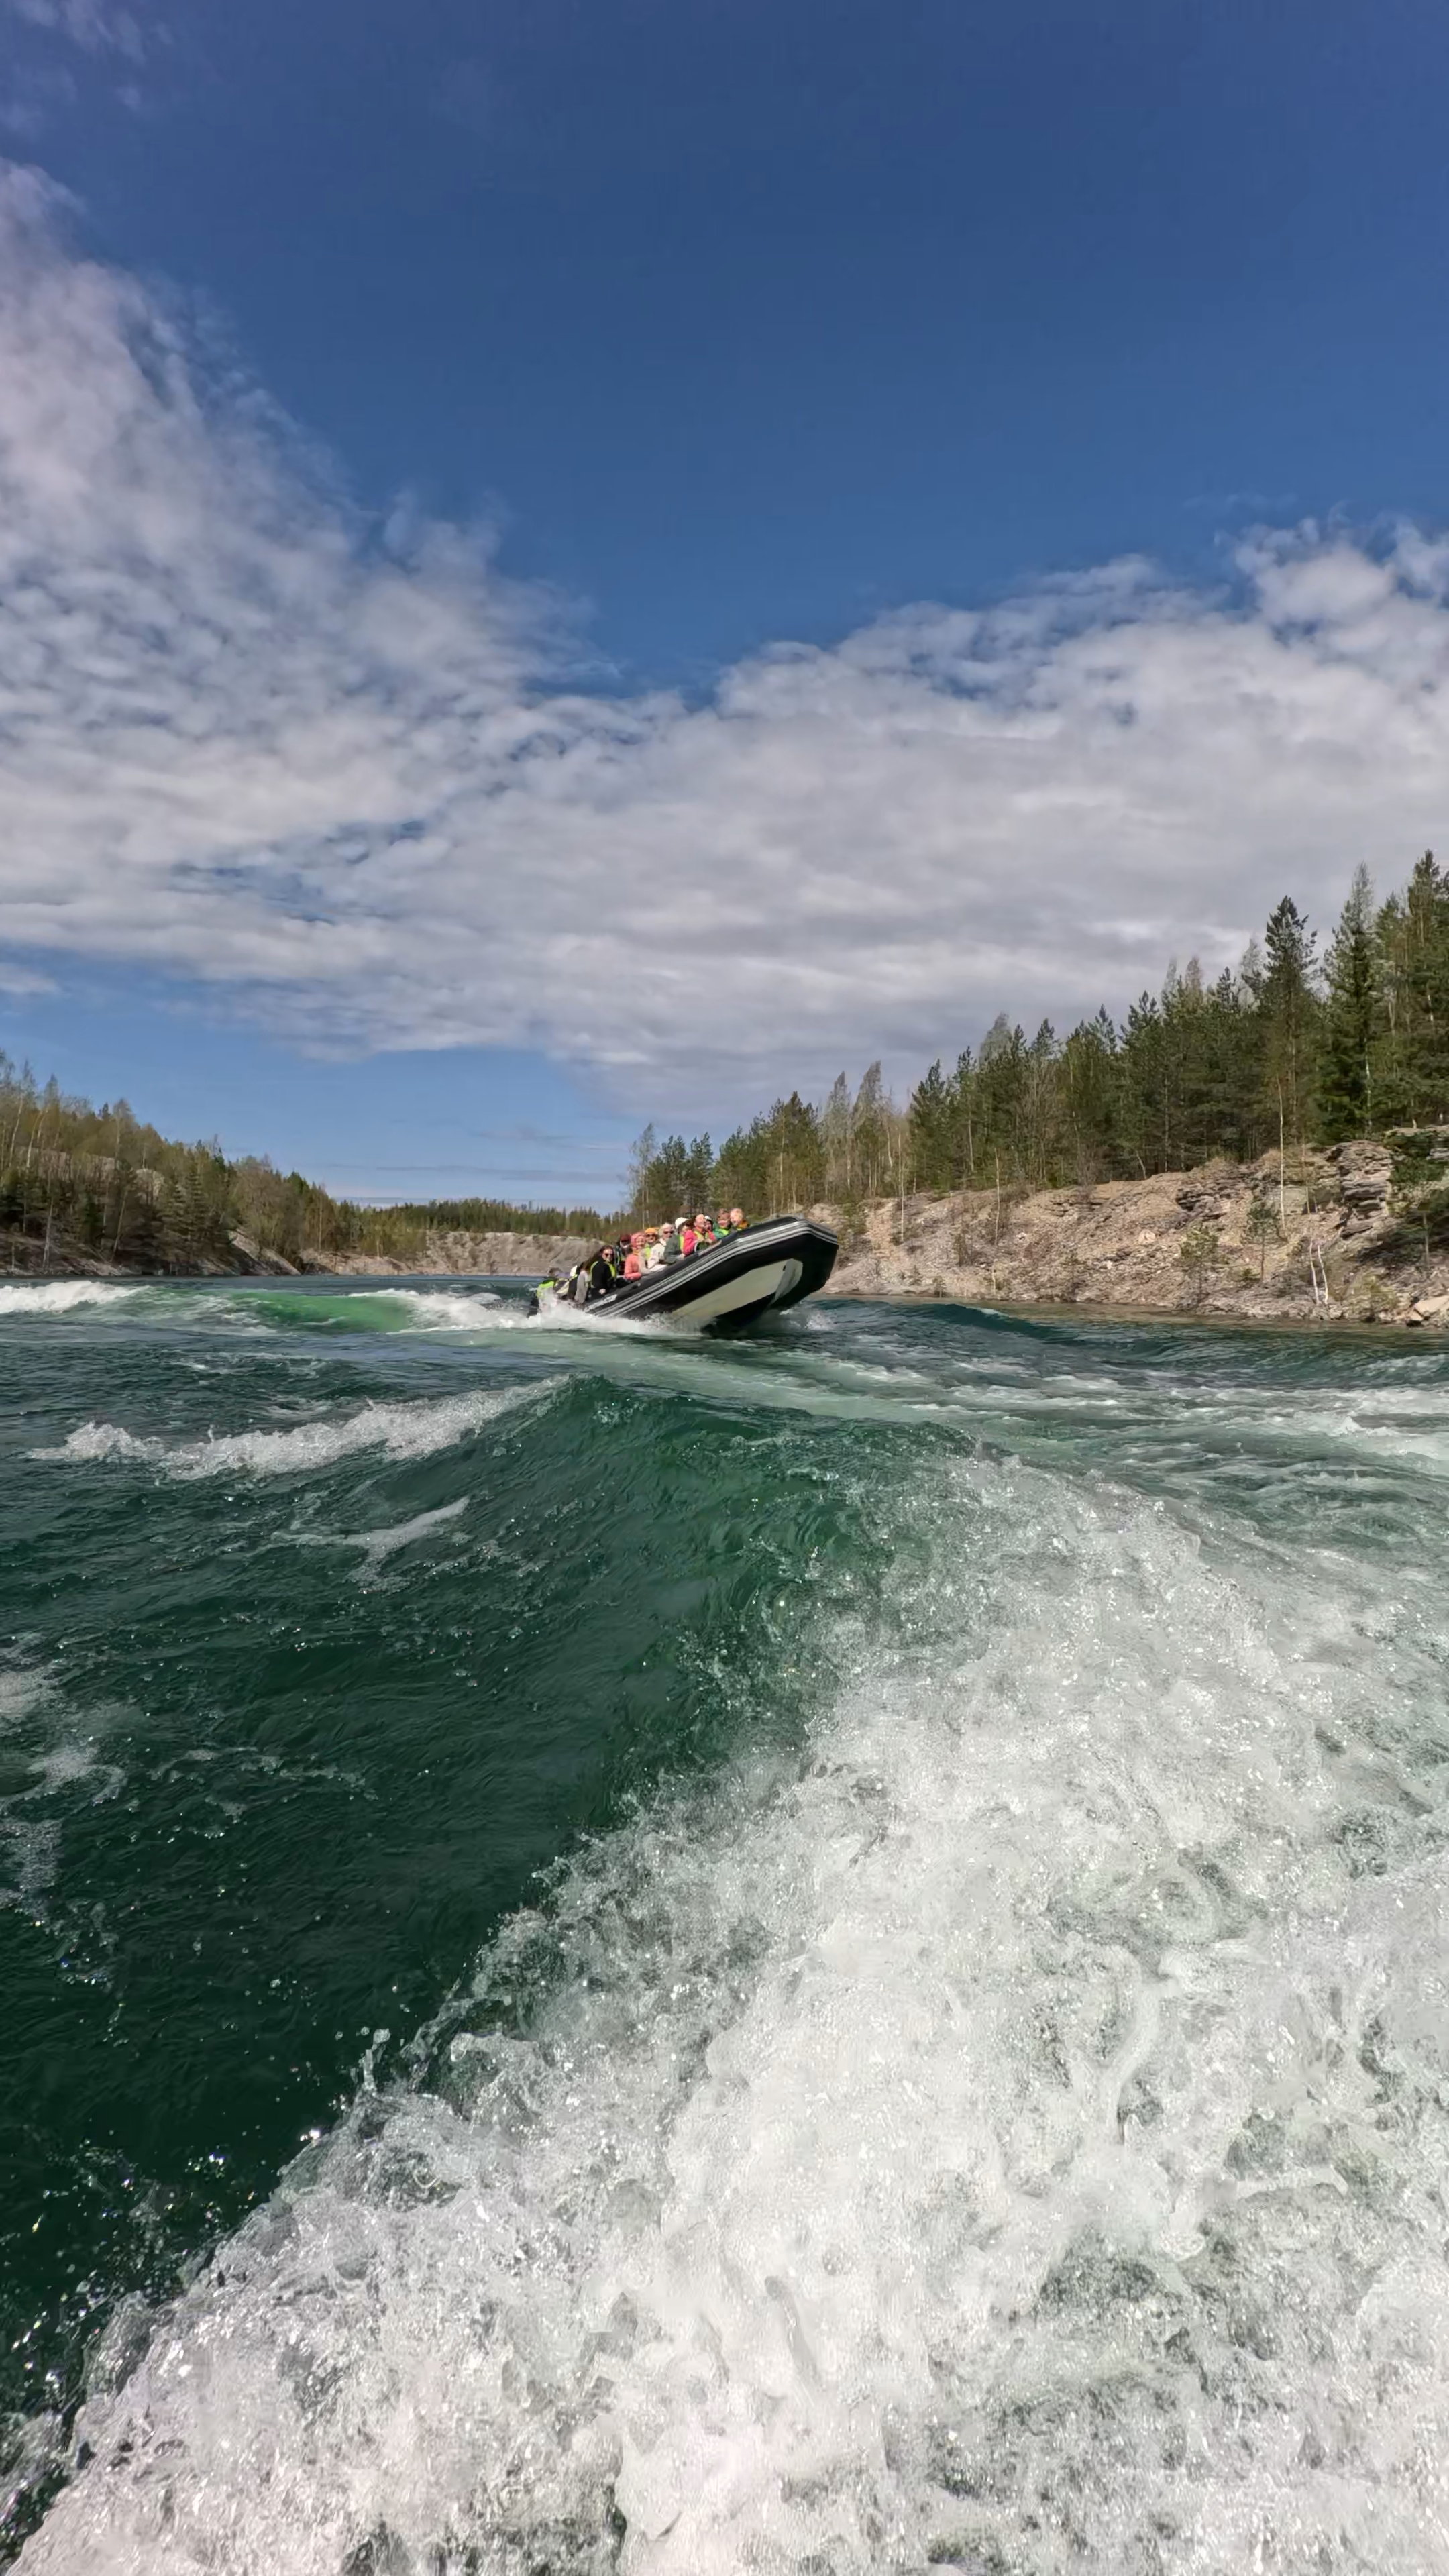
pixel 1318 1242
pixel 240 1256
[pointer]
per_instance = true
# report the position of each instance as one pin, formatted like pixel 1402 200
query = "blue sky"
pixel 1065 384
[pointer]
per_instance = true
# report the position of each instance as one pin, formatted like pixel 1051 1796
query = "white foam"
pixel 398 1430
pixel 445 1311
pixel 29 1863
pixel 58 1296
pixel 1010 2138
pixel 379 1544
pixel 21 1691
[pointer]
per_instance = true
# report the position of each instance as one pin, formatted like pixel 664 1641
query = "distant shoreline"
pixel 1319 1246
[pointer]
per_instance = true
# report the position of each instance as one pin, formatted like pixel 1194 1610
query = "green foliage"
pixel 672 1179
pixel 1261 1227
pixel 1353 1025
pixel 102 1179
pixel 1198 1254
pixel 502 1216
pixel 1290 1015
pixel 1279 1051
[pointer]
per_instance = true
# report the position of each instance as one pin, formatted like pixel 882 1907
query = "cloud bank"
pixel 341 773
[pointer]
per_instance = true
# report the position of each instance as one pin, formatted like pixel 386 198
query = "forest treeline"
pixel 110 1184
pixel 1293 1048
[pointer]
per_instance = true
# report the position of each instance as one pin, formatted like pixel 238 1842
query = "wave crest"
pixel 998 2141
pixel 59 1296
pixel 398 1430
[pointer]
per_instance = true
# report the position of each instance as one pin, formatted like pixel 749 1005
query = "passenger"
pixel 601 1273
pixel 704 1228
pixel 653 1259
pixel 688 1239
pixel 722 1224
pixel 579 1283
pixel 545 1295
pixel 633 1263
pixel 737 1220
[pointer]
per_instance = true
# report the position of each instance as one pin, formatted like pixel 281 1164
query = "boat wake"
pixel 1007 2133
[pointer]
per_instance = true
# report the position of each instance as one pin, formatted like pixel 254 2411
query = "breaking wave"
pixel 444 1310
pixel 1007 2135
pixel 59 1296
pixel 971 2086
pixel 398 1430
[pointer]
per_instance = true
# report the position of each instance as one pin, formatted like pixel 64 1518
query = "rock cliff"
pixel 1320 1241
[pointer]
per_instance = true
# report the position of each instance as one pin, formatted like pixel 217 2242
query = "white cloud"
pixel 95 25
pixel 247 737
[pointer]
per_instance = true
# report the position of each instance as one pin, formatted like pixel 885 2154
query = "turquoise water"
pixel 820 1954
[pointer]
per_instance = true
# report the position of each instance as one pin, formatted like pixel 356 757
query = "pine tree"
pixel 1426 919
pixel 999 1089
pixel 965 1120
pixel 868 1133
pixel 929 1115
pixel 1351 1024
pixel 1144 1094
pixel 835 1138
pixel 641 1159
pixel 1089 1082
pixel 1288 1010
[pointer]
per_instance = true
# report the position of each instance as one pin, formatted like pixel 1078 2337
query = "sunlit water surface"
pixel 817 1955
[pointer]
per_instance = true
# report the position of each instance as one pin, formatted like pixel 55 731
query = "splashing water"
pixel 59 1296
pixel 399 1430
pixel 971 2087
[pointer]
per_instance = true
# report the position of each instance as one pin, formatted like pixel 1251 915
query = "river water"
pixel 821 1955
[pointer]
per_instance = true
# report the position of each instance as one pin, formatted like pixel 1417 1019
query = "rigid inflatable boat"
pixel 756 1272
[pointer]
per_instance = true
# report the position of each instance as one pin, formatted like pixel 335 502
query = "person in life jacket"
pixel 601 1273
pixel 546 1293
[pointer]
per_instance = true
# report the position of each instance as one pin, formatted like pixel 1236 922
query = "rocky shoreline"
pixel 1319 1242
